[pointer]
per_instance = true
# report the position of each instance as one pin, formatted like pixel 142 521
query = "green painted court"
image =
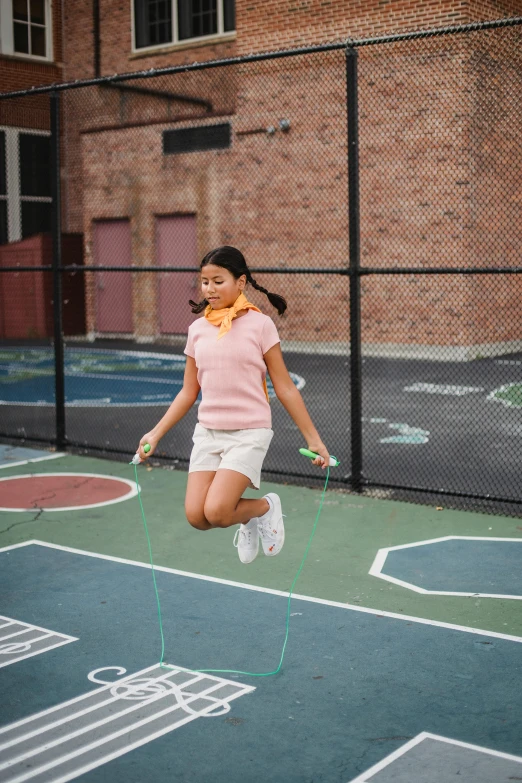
pixel 403 662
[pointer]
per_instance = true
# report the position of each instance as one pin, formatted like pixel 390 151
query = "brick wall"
pixel 430 164
pixel 263 25
pixel 19 73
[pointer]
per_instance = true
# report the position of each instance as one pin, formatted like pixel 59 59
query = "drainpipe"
pixel 96 36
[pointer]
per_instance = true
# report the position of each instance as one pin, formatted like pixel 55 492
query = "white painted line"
pixel 35 459
pixel 37 652
pixel 80 713
pixel 429 541
pixel 138 743
pixel 489 751
pixel 138 705
pixel 394 581
pixel 387 760
pixel 270 591
pixel 139 701
pixel 24 647
pixel 76 699
pixel 84 696
pixel 378 562
pixel 438 388
pixel 382 554
pixel 174 357
pixel 90 404
pixel 366 776
pixel 31 625
pixel 18 633
pixel 130 494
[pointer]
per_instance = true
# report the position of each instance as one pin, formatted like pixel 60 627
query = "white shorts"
pixel 239 450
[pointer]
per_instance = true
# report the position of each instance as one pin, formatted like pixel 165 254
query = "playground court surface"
pixel 403 662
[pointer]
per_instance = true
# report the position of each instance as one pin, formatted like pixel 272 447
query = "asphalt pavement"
pixel 455 426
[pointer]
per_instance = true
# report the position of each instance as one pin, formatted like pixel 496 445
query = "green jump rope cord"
pixel 230 671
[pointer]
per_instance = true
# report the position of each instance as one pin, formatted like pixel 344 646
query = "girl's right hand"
pixel 323 459
pixel 152 440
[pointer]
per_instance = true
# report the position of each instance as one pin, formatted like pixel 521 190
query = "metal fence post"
pixel 355 280
pixel 57 274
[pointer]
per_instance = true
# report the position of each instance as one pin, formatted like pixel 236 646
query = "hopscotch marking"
pixel 28 640
pixel 366 777
pixel 382 554
pixel 100 725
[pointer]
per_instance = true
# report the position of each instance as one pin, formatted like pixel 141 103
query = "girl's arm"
pixel 290 397
pixel 182 403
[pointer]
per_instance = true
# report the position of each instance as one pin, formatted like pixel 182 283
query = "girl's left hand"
pixel 320 448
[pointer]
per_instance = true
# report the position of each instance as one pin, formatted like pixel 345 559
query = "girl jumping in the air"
pixel 228 354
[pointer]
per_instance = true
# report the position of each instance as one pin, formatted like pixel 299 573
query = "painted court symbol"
pixel 468 566
pixel 21 640
pixel 67 740
pixel 63 491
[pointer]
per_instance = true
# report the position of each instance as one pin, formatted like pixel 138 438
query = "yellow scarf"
pixel 223 318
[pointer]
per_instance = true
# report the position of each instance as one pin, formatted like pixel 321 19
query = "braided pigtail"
pixel 275 300
pixel 198 307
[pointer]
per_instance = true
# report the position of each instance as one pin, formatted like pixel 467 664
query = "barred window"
pixel 161 22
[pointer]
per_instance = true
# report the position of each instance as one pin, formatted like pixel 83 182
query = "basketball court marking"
pixel 130 493
pixel 270 591
pixel 382 554
pixel 110 721
pixel 421 757
pixel 23 640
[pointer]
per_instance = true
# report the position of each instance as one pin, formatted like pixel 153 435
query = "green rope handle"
pixel 229 671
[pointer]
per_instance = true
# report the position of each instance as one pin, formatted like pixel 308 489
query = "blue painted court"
pixel 94 377
pixel 355 686
pixel 460 566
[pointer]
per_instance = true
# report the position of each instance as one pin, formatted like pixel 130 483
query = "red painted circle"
pixel 60 491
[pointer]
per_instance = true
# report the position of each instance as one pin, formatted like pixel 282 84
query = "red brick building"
pixel 31 53
pixel 440 164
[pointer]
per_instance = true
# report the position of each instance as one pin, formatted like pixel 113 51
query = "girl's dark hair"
pixel 233 259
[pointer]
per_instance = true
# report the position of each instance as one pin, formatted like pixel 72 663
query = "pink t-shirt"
pixel 231 371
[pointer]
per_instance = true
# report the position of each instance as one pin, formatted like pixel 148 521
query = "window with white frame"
pixel 25 28
pixel 165 22
pixel 25 183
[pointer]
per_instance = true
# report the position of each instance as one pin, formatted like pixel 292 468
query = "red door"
pixel 112 247
pixel 176 245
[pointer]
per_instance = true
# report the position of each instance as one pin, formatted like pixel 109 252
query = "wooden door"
pixel 112 247
pixel 176 245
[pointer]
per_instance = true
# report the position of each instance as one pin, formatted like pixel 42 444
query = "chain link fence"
pixel 377 186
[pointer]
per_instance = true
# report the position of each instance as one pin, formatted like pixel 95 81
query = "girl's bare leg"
pixel 197 488
pixel 224 505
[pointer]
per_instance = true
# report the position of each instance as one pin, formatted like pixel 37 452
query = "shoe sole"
pixel 247 562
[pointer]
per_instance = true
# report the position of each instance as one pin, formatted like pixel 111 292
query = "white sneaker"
pixel 271 526
pixel 246 540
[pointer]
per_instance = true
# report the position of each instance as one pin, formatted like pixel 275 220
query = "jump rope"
pixel 334 462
